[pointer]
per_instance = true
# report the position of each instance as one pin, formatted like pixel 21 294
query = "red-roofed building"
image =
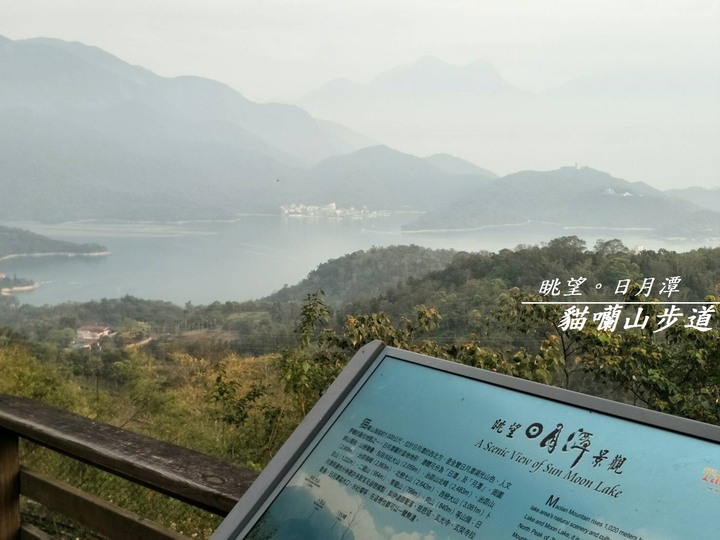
pixel 90 334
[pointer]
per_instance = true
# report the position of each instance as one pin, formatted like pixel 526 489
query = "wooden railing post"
pixel 9 486
pixel 205 482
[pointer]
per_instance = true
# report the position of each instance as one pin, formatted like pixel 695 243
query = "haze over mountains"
pixel 655 125
pixel 426 79
pixel 85 135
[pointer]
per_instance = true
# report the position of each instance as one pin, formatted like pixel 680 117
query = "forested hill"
pixel 366 274
pixel 467 292
pixel 15 241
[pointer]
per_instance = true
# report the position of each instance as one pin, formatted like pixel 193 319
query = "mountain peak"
pixel 454 165
pixel 431 76
pixel 479 65
pixel 429 60
pixel 376 152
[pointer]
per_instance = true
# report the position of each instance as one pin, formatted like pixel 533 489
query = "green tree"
pixel 674 371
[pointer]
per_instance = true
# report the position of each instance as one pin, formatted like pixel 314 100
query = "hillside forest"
pixel 234 379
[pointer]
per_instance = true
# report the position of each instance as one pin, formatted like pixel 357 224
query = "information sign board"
pixel 405 446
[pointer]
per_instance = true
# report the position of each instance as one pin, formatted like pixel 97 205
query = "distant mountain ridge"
pixel 703 197
pixel 573 199
pixel 637 83
pixel 428 77
pixel 381 178
pixel 45 72
pixel 83 133
pixel 657 124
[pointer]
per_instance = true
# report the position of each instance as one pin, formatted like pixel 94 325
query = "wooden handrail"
pixel 203 481
pixel 92 512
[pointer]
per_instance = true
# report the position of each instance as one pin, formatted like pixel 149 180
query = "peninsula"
pixel 15 242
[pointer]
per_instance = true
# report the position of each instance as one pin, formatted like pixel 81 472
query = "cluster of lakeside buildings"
pixel 330 211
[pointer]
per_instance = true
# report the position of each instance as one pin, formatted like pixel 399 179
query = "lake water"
pixel 246 258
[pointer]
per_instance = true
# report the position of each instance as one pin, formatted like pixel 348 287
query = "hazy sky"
pixel 277 50
pixel 274 49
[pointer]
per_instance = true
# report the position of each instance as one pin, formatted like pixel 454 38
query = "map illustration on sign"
pixel 420 452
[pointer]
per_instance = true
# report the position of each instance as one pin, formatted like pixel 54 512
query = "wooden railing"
pixel 201 481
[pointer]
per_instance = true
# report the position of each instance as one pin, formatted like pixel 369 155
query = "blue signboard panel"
pixel 423 449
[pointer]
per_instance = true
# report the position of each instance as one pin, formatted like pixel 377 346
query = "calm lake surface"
pixel 247 258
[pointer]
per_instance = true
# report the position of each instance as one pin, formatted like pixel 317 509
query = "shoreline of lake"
pixel 243 259
pixel 8 291
pixel 55 254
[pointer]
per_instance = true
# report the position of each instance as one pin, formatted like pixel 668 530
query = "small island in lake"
pixel 9 285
